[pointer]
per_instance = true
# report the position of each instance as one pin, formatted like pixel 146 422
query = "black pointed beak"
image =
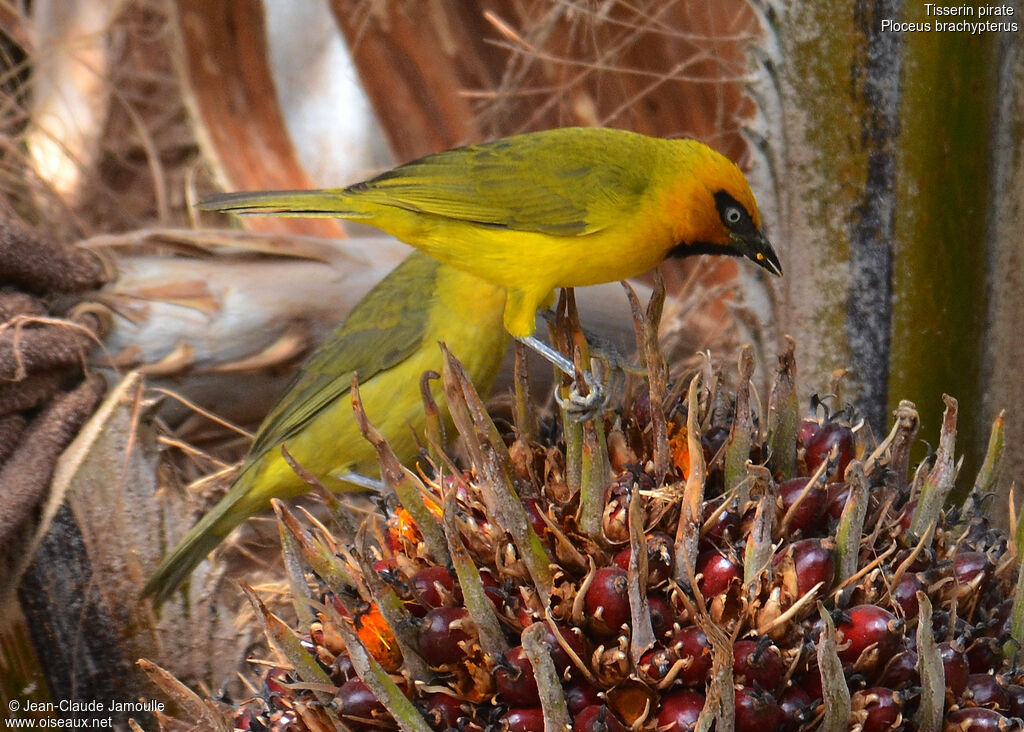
pixel 757 249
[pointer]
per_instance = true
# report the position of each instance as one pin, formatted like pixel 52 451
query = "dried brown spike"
pixel 26 350
pixel 203 712
pixel 688 529
pixel 18 303
pixel 11 427
pixel 491 459
pixel 941 477
pixel 25 476
pixel 434 429
pixel 833 683
pixel 525 418
pixel 41 265
pixel 645 325
pixel 480 608
pixel 933 682
pixel 30 392
pixel 737 447
pixel 552 699
pixel 784 414
pixel 907 424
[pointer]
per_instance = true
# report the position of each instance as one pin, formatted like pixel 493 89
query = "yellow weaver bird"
pixel 560 208
pixel 389 340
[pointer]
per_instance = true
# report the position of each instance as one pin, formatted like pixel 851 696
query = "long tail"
pixel 232 509
pixel 334 203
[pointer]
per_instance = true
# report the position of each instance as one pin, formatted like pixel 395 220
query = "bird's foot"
pixel 579 406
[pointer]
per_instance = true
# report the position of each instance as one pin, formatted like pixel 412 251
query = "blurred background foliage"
pixel 889 168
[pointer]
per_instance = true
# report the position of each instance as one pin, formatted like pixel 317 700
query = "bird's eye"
pixel 733 215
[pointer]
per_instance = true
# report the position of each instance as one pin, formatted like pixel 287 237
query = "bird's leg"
pixel 582 406
pixel 560 362
pixel 363 481
pixel 601 347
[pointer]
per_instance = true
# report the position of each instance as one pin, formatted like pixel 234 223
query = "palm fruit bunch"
pixel 680 561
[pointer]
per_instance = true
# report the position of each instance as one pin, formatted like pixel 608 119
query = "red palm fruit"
pixel 530 719
pixel 757 662
pixel 711 442
pixel 597 718
pixel 662 616
pixel 655 664
pixel 533 513
pixel 495 592
pixel 831 434
pixel 984 653
pixel 838 495
pixel 616 500
pixel 954 664
pixel 971 570
pixel 572 637
pixel 806 518
pixel 906 516
pixel 726 525
pixel 797 707
pixel 679 710
pixel 1015 692
pixel 901 671
pixel 717 573
pixel 354 699
pixel 692 647
pixel 579 694
pixel 607 601
pixel 977 719
pixel 660 553
pixel 868 628
pixel 641 408
pixel 443 711
pixel 432 587
pixel 983 690
pixel 877 709
pixel 756 711
pixel 442 632
pixel 905 594
pixel 515 680
pixel 809 428
pixel 275 680
pixel 814 561
pixel 342 669
pixel 811 683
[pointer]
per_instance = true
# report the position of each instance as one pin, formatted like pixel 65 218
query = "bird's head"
pixel 718 213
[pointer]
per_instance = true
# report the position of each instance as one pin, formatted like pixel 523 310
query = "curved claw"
pixel 581 408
